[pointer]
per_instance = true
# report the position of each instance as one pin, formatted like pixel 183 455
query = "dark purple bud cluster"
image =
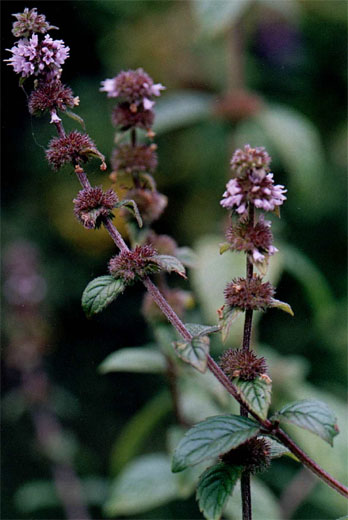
pixel 243 364
pixel 250 161
pixel 51 95
pixel 249 294
pixel 134 265
pixel 134 159
pixel 92 206
pixel 253 455
pixel 255 240
pixel 72 148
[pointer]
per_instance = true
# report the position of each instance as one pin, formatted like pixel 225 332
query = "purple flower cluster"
pixel 134 265
pixel 34 57
pixel 72 148
pixel 261 192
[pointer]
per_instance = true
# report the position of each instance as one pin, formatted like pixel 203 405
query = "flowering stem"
pixel 167 310
pixel 245 478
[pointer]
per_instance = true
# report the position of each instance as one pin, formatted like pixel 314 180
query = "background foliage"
pixel 289 97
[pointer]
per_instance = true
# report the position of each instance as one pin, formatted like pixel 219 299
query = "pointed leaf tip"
pixel 282 306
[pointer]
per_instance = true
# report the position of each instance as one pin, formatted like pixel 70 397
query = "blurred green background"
pixel 267 73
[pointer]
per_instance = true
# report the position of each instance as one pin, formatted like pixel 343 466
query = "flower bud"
pixel 30 22
pixel 243 364
pixel 253 455
pixel 134 159
pixel 250 161
pixel 92 206
pixel 124 117
pixel 134 265
pixel 51 95
pixel 249 294
pixel 72 148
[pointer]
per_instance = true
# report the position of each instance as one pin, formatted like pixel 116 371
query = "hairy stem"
pixel 245 479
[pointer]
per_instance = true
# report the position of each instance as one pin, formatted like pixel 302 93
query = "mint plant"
pixel 234 446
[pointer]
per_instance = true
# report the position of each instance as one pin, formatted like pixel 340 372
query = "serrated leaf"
pixel 100 292
pixel 75 117
pixel 170 263
pixel 257 393
pixel 195 329
pixel 224 247
pixel 227 317
pixel 282 306
pixel 311 415
pixel 214 487
pixel 135 359
pixel 194 352
pixel 186 256
pixel 212 437
pixel 133 208
pixel 144 484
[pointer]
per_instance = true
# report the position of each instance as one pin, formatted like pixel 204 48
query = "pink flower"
pixel 31 57
pixel 255 190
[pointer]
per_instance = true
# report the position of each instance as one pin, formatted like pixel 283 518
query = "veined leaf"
pixel 194 352
pixel 144 484
pixel 282 306
pixel 100 292
pixel 133 208
pixel 214 487
pixel 201 330
pixel 311 415
pixel 170 263
pixel 278 449
pixel 212 437
pixel 256 393
pixel 134 359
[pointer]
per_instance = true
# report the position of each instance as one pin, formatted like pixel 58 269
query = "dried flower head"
pixel 255 190
pixel 73 148
pixel 134 87
pixel 134 159
pixel 249 161
pixel 34 57
pixel 254 455
pixel 93 205
pixel 179 300
pixel 256 240
pixel 151 204
pixel 249 294
pixel 125 117
pixel 51 95
pixel 243 364
pixel 134 265
pixel 30 22
pixel 164 244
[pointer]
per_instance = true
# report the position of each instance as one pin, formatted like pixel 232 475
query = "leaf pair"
pixel 195 352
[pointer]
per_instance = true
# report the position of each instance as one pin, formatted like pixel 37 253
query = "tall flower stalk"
pixel 242 443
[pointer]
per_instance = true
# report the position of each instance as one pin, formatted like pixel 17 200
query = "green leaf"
pixel 256 393
pixel 212 437
pixel 227 317
pixel 201 330
pixel 282 306
pixel 214 487
pixel 169 263
pixel 215 18
pixel 75 117
pixel 133 208
pixel 134 359
pixel 137 431
pixel 144 484
pixel 194 352
pixel 182 108
pixel 100 292
pixel 186 256
pixel 311 415
pixel 278 449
